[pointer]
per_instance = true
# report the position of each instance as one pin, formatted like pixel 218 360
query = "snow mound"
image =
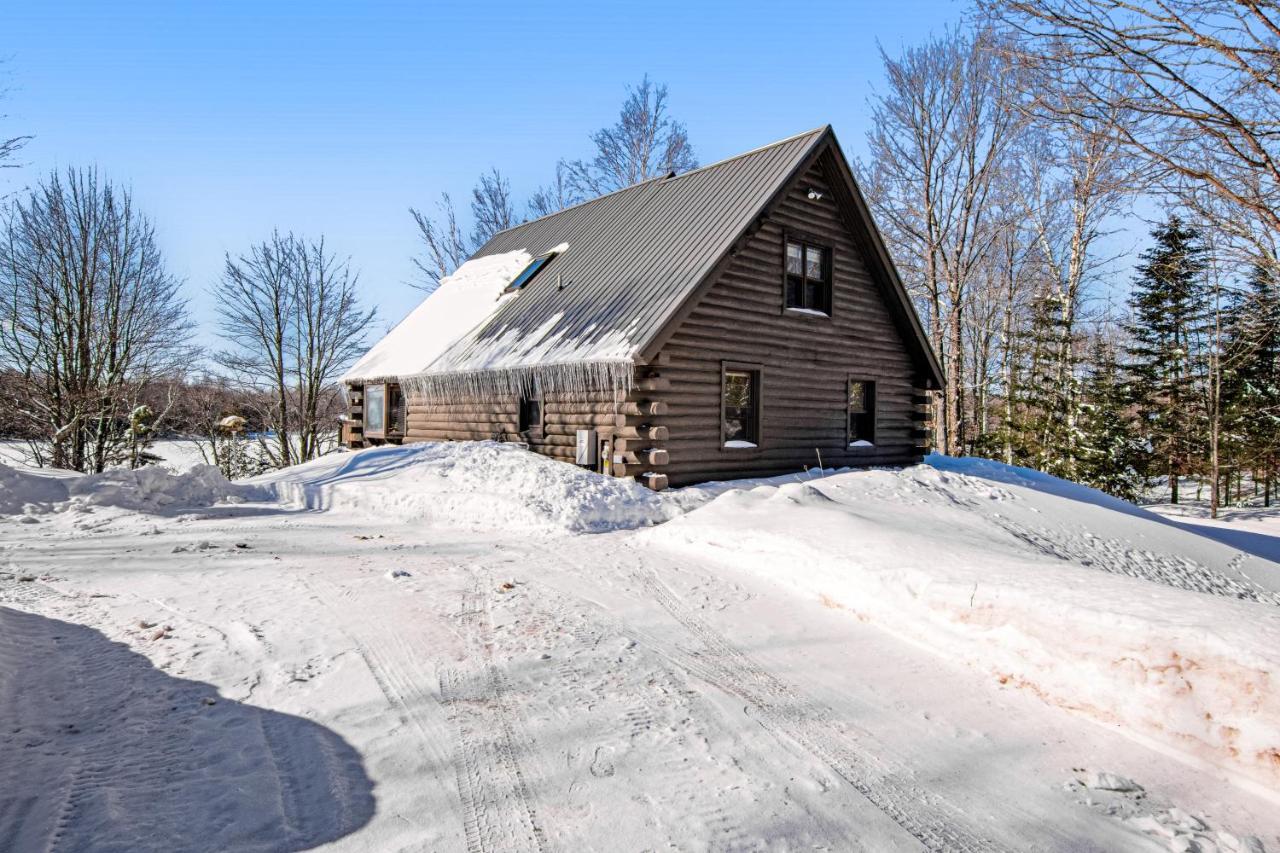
pixel 31 492
pixel 470 484
pixel 1047 586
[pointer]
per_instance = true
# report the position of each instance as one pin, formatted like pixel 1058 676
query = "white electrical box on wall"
pixel 586 448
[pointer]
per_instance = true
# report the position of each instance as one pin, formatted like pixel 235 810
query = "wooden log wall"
pixel 668 429
pixel 806 360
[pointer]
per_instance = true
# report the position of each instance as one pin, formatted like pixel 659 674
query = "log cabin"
pixel 743 319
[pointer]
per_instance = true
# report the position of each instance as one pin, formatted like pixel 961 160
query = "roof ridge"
pixel 637 185
pixel 792 138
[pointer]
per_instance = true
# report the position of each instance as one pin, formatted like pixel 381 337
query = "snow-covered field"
pixel 468 647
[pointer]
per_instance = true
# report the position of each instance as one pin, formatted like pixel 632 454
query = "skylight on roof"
pixel 530 271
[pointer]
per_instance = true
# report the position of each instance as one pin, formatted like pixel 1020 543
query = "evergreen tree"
pixel 1168 305
pixel 1251 389
pixel 1050 397
pixel 1110 455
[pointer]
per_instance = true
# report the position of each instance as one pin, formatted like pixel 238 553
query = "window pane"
pixel 374 409
pixel 739 406
pixel 857 397
pixel 529 272
pixel 813 295
pixel 794 265
pixel 794 284
pixel 812 262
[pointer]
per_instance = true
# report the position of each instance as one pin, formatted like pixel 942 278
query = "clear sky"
pixel 230 118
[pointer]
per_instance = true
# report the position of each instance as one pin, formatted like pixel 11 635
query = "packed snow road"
pixel 422 652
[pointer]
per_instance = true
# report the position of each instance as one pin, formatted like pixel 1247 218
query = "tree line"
pixel 1002 156
pixel 97 352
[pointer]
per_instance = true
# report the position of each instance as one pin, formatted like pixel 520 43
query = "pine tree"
pixel 1110 454
pixel 1050 397
pixel 1252 386
pixel 1168 305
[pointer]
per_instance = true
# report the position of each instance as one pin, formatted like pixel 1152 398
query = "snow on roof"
pixel 462 302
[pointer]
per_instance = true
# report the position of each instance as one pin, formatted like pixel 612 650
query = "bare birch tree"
pixel 90 317
pixel 1191 86
pixel 445 244
pixel 645 142
pixel 289 312
pixel 939 137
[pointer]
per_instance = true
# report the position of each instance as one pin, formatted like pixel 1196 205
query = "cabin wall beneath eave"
pixel 497 419
pixel 806 361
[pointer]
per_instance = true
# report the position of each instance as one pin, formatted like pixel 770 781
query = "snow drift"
pixel 39 491
pixel 1042 583
pixel 470 484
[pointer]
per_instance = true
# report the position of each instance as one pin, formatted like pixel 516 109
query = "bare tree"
pixel 1189 85
pixel 555 196
pixel 289 313
pixel 939 138
pixel 444 243
pixel 644 143
pixel 10 146
pixel 491 207
pixel 90 318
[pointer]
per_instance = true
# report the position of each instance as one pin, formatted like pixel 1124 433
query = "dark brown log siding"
pixel 805 361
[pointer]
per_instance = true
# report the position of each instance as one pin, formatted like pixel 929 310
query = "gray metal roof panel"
pixel 633 257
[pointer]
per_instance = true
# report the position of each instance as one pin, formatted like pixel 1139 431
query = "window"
pixel 862 413
pixel 375 411
pixel 530 271
pixel 530 414
pixel 808 277
pixel 740 408
pixel 383 410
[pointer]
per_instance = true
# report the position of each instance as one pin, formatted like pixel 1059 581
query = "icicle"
pixel 577 377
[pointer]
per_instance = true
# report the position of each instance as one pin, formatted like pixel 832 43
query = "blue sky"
pixel 229 119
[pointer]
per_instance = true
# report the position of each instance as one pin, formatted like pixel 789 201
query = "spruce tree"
pixel 1252 385
pixel 1050 399
pixel 1110 455
pixel 1168 315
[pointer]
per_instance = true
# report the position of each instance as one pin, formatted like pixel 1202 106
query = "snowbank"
pixel 1048 588
pixel 32 492
pixel 470 484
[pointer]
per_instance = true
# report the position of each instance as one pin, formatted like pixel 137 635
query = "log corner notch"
pixel 639 440
pixel 922 407
pixel 353 427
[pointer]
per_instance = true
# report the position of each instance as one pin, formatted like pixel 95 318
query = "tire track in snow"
pixel 930 819
pixel 499 806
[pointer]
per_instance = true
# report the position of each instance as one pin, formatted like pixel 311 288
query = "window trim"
pixel 875 413
pixel 811 241
pixel 727 367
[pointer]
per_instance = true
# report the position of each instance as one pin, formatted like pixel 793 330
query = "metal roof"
pixel 634 258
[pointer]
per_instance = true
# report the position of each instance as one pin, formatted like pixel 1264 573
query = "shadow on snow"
pixel 99 750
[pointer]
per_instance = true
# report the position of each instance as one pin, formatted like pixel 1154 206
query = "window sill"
pixel 739 446
pixel 861 444
pixel 806 312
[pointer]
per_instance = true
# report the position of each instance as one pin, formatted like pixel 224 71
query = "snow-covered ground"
pixel 176 454
pixel 469 647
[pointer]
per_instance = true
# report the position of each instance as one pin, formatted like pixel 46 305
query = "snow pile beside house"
pixel 470 484
pixel 1041 583
pixel 38 491
pixel 460 303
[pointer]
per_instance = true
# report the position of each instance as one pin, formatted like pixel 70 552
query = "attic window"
pixel 530 271
pixel 808 278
